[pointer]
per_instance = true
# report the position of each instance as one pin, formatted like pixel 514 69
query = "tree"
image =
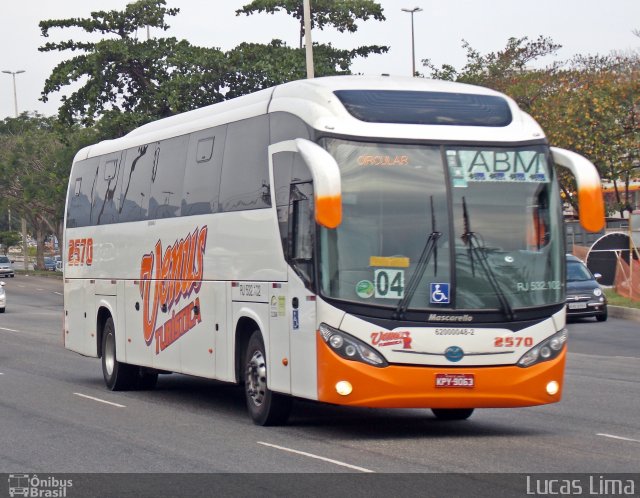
pixel 254 66
pixel 120 74
pixel 34 172
pixel 328 60
pixel 594 109
pixel 9 239
pixel 507 70
pixel 342 15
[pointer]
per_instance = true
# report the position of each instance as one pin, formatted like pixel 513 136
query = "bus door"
pixel 292 304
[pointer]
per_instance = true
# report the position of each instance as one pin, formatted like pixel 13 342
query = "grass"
pixel 615 299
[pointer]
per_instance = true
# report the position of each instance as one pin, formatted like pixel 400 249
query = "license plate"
pixel 577 306
pixel 455 380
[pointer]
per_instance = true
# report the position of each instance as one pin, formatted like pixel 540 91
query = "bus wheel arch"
pixel 118 376
pixel 244 329
pixel 101 320
pixel 265 406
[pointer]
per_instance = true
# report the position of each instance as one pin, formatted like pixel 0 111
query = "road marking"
pixel 619 437
pixel 59 293
pixel 8 330
pixel 317 457
pixel 100 400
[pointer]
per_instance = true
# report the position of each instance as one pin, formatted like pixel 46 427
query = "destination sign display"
pixel 468 166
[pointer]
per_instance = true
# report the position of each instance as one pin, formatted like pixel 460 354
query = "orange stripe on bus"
pixel 402 386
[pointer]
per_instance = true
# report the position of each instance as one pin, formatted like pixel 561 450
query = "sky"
pixel 585 27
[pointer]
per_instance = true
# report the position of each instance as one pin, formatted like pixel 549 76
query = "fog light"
pixel 552 388
pixel 344 388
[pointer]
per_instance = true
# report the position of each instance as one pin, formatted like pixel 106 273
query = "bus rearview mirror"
pixel 590 201
pixel 326 183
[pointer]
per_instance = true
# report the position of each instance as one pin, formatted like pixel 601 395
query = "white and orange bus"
pixel 378 242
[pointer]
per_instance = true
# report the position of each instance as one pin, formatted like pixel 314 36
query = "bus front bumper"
pixel 402 386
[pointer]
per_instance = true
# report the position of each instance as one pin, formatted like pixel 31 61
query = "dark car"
pixel 49 265
pixel 584 295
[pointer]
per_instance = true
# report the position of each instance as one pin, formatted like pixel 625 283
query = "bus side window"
pixel 167 177
pixel 80 195
pixel 245 168
pixel 201 189
pixel 103 209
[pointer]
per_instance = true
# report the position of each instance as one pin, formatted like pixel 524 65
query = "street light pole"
pixel 24 222
pixel 15 94
pixel 306 5
pixel 413 45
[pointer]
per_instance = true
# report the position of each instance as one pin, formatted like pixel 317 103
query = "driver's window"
pixel 294 206
pixel 302 228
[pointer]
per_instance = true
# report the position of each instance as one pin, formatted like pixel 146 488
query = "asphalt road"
pixel 56 416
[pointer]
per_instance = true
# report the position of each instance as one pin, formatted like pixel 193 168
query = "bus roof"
pixel 315 102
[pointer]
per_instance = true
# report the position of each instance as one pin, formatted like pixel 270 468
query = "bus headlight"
pixel 350 348
pixel 546 350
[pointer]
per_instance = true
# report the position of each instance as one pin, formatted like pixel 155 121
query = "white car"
pixel 3 298
pixel 6 267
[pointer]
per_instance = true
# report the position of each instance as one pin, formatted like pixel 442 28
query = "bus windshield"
pixel 438 226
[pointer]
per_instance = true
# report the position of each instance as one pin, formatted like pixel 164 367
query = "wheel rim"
pixel 256 378
pixel 109 354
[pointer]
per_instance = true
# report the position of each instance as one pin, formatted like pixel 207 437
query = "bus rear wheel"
pixel 117 376
pixel 265 407
pixel 452 413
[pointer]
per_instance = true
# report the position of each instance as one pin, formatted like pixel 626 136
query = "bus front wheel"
pixel 265 407
pixel 118 376
pixel 452 413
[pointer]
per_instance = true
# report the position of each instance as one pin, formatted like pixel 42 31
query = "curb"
pixel 626 313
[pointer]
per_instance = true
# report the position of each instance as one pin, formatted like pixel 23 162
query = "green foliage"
pixel 121 74
pixel 341 15
pixel 35 159
pixel 125 82
pixel 9 239
pixel 257 66
pixel 590 104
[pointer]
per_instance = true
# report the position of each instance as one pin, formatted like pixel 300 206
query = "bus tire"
pixel 117 376
pixel 265 407
pixel 452 413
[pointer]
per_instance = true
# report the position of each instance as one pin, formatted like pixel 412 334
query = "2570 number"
pixel 512 342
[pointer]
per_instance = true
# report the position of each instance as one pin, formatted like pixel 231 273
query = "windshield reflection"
pixel 496 211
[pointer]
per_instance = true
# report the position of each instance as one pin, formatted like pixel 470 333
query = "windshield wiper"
pixel 428 250
pixel 477 252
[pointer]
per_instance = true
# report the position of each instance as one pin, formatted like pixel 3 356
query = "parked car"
pixel 3 298
pixel 49 265
pixel 584 295
pixel 6 267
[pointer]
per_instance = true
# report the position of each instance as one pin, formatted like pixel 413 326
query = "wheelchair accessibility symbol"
pixel 439 293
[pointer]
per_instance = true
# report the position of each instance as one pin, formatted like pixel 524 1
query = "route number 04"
pixel 389 284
